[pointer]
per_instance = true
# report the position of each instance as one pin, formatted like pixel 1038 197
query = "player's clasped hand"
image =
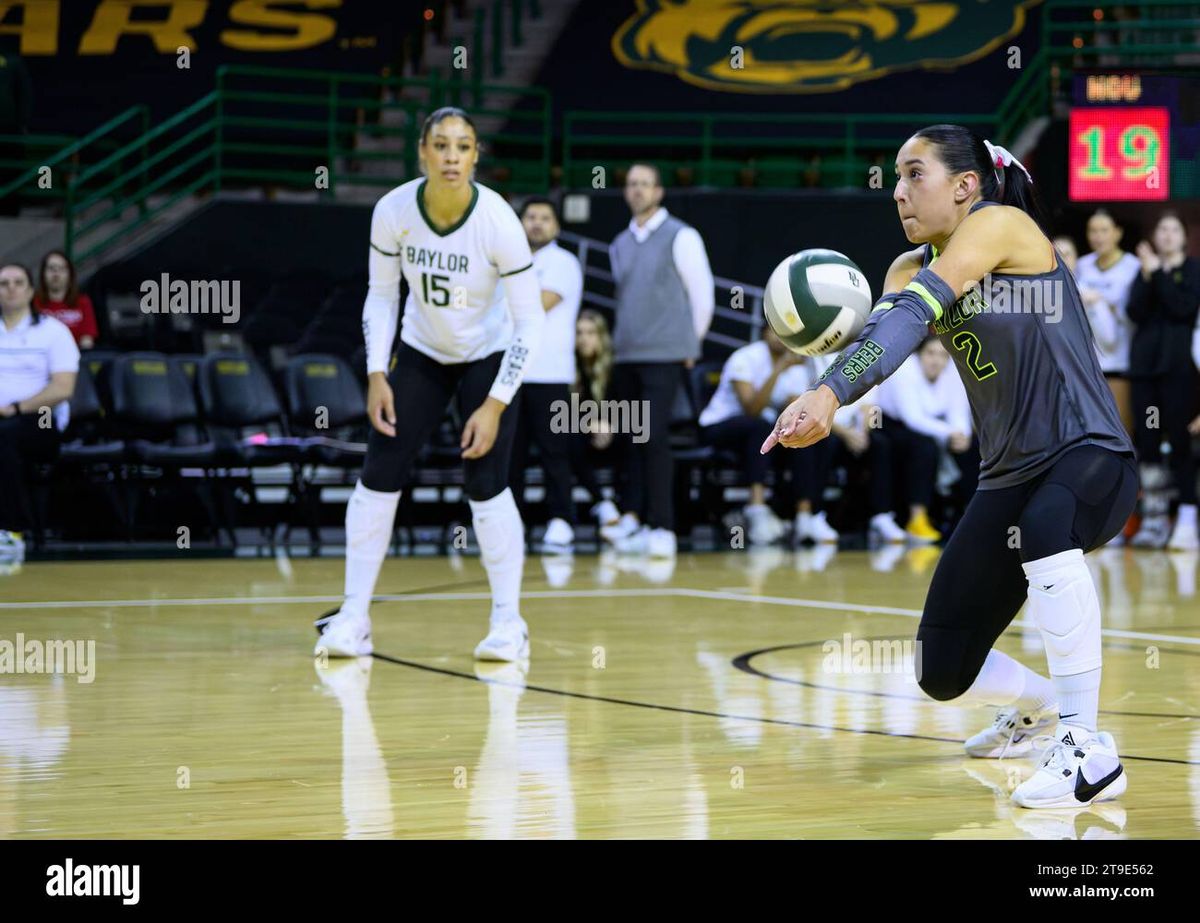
pixel 479 433
pixel 381 404
pixel 807 419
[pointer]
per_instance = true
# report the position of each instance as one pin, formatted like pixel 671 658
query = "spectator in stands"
pixel 1105 277
pixel 593 375
pixel 925 411
pixel 58 296
pixel 547 384
pixel 38 365
pixel 757 381
pixel 665 302
pixel 1066 249
pixel 1163 305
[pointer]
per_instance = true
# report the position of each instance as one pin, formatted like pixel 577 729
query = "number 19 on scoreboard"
pixel 1119 154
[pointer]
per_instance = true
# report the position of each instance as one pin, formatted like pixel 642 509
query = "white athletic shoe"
pixel 623 528
pixel 344 634
pixel 1011 734
pixel 762 526
pixel 1073 772
pixel 507 641
pixel 559 537
pixel 1153 533
pixel 661 543
pixel 883 527
pixel 1183 536
pixel 636 542
pixel 812 526
pixel 606 513
pixel 12 547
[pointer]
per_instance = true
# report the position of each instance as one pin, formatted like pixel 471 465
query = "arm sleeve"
pixel 691 262
pixel 381 310
pixel 890 336
pixel 512 257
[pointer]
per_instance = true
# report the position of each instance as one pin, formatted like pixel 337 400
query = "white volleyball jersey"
pixel 456 309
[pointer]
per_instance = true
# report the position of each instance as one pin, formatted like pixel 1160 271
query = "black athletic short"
pixel 1081 501
pixel 423 388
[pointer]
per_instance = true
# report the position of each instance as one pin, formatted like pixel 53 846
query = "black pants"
pixel 534 407
pixel 808 467
pixel 22 442
pixel 1081 502
pixel 916 455
pixel 648 468
pixel 876 460
pixel 585 459
pixel 423 388
pixel 1174 395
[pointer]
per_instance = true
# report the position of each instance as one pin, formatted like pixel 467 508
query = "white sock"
pixel 1005 681
pixel 501 536
pixel 1063 603
pixel 370 515
pixel 1079 699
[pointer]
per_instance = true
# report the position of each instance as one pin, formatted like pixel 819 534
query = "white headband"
pixel 1002 157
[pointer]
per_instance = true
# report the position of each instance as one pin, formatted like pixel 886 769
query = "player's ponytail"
pixel 1003 178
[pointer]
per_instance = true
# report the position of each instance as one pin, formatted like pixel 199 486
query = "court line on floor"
pixel 701 712
pixel 548 594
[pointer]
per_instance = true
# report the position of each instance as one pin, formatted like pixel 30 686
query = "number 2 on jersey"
pixel 965 340
pixel 431 283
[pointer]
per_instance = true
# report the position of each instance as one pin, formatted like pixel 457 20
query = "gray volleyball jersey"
pixel 1024 350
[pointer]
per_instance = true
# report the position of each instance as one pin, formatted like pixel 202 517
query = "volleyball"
pixel 817 301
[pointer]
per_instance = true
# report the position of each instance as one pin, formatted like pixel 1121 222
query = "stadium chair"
pixel 244 417
pixel 154 407
pixel 323 389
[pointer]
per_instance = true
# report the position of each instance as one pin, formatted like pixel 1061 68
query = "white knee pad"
pixel 1063 603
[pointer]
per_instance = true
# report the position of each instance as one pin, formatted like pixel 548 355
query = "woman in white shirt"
pixel 38 365
pixel 925 410
pixel 1105 278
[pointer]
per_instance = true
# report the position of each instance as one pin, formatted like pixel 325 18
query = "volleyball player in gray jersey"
pixel 1057 476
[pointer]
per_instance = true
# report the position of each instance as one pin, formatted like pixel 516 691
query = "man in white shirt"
pixel 549 377
pixel 665 303
pixel 38 364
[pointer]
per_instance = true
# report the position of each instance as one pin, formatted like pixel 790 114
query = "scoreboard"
pixel 1119 154
pixel 1124 130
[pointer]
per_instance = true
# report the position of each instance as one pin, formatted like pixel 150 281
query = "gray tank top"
pixel 1024 350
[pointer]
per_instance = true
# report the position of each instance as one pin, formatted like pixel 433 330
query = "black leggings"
pixel 1174 397
pixel 423 387
pixel 534 407
pixel 1081 501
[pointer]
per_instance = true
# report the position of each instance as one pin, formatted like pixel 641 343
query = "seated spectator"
pixel 38 365
pixel 593 376
pixel 755 383
pixel 58 296
pixel 925 412
pixel 1164 304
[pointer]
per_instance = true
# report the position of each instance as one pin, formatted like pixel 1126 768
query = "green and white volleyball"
pixel 817 301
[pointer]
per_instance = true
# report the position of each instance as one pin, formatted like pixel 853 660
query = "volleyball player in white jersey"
pixel 455 242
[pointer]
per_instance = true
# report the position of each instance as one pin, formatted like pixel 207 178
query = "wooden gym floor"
pixel 700 700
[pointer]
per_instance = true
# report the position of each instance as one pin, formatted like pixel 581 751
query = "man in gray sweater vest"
pixel 664 294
